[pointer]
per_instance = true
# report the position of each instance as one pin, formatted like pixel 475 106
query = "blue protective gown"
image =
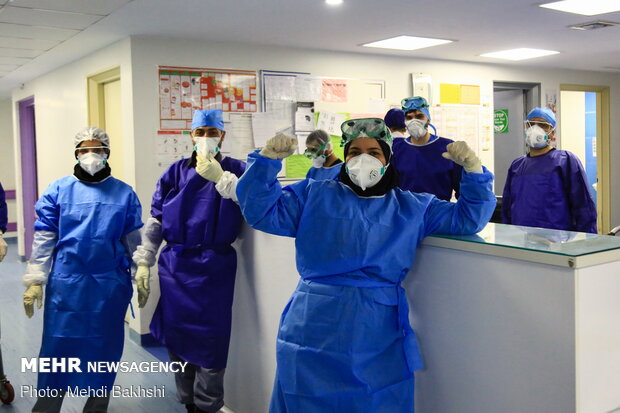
pixel 89 286
pixel 197 266
pixel 324 173
pixel 345 343
pixel 423 169
pixel 549 191
pixel 4 219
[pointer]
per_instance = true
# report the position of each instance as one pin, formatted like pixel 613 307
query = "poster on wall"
pixel 182 90
pixel 172 146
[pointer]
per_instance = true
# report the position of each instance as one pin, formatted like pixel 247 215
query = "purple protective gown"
pixel 549 191
pixel 197 266
pixel 423 169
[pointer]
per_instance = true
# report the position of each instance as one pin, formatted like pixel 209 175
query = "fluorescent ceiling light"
pixel 407 43
pixel 333 2
pixel 520 54
pixel 586 8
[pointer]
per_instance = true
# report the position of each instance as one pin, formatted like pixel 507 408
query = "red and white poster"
pixel 182 90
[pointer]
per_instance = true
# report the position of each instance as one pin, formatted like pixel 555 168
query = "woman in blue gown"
pixel 345 343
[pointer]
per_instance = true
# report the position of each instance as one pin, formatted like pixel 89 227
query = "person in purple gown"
pixel 418 158
pixel 197 265
pixel 548 187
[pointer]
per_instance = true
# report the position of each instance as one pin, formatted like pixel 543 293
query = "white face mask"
pixel 207 146
pixel 92 162
pixel 319 161
pixel 365 170
pixel 536 137
pixel 417 128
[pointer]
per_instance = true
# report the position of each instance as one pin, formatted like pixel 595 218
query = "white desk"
pixel 513 320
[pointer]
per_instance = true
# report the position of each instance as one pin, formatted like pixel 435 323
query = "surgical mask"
pixel 92 162
pixel 319 161
pixel 207 146
pixel 365 170
pixel 417 128
pixel 536 137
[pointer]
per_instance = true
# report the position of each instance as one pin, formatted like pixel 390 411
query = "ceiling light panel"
pixel 32 44
pixel 12 52
pixel 520 54
pixel 407 43
pixel 585 8
pixel 34 17
pixel 36 32
pixel 101 7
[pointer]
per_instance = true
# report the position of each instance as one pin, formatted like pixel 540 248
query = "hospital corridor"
pixel 328 206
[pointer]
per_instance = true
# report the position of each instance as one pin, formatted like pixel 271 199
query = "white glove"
pixel 3 247
pixel 209 168
pixel 460 153
pixel 33 292
pixel 279 147
pixel 143 276
pixel 227 186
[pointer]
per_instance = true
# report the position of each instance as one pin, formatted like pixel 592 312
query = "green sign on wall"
pixel 500 124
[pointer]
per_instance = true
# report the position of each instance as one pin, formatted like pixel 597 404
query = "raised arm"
pixel 264 203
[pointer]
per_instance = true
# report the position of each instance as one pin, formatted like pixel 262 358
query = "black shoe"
pixel 191 408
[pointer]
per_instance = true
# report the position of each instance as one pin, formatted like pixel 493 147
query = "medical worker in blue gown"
pixel 418 158
pixel 345 343
pixel 197 265
pixel 87 228
pixel 325 164
pixel 548 187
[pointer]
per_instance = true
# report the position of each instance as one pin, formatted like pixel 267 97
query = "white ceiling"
pixel 37 36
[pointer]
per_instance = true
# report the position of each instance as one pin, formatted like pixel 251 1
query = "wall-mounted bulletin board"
pixel 185 89
pixel 289 98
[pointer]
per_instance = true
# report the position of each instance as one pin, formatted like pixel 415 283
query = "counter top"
pixel 546 246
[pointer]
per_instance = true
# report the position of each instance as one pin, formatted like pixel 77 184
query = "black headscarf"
pixel 389 180
pixel 82 175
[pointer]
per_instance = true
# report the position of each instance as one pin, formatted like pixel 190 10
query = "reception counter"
pixel 513 319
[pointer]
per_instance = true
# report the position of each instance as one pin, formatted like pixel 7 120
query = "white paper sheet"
pixel 330 122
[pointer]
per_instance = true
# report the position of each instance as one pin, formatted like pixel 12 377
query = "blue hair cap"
pixel 211 118
pixel 542 113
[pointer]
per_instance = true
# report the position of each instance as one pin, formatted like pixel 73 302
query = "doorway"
pixel 584 131
pixel 511 102
pixel 105 112
pixel 28 150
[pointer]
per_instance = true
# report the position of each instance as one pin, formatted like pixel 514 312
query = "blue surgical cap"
pixel 395 118
pixel 543 113
pixel 208 118
pixel 416 103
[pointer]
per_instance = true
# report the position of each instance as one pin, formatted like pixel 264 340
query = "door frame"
pixel 28 166
pixel 603 170
pixel 95 82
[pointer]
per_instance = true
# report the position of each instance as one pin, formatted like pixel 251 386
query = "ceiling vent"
pixel 599 24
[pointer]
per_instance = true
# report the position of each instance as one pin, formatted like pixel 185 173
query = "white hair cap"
pixel 90 133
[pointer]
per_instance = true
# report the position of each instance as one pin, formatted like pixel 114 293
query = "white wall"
pixel 7 159
pixel 148 53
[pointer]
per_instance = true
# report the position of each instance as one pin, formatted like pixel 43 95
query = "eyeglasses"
pixel 209 132
pixel 101 150
pixel 367 127
pixel 546 126
pixel 313 152
pixel 414 103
